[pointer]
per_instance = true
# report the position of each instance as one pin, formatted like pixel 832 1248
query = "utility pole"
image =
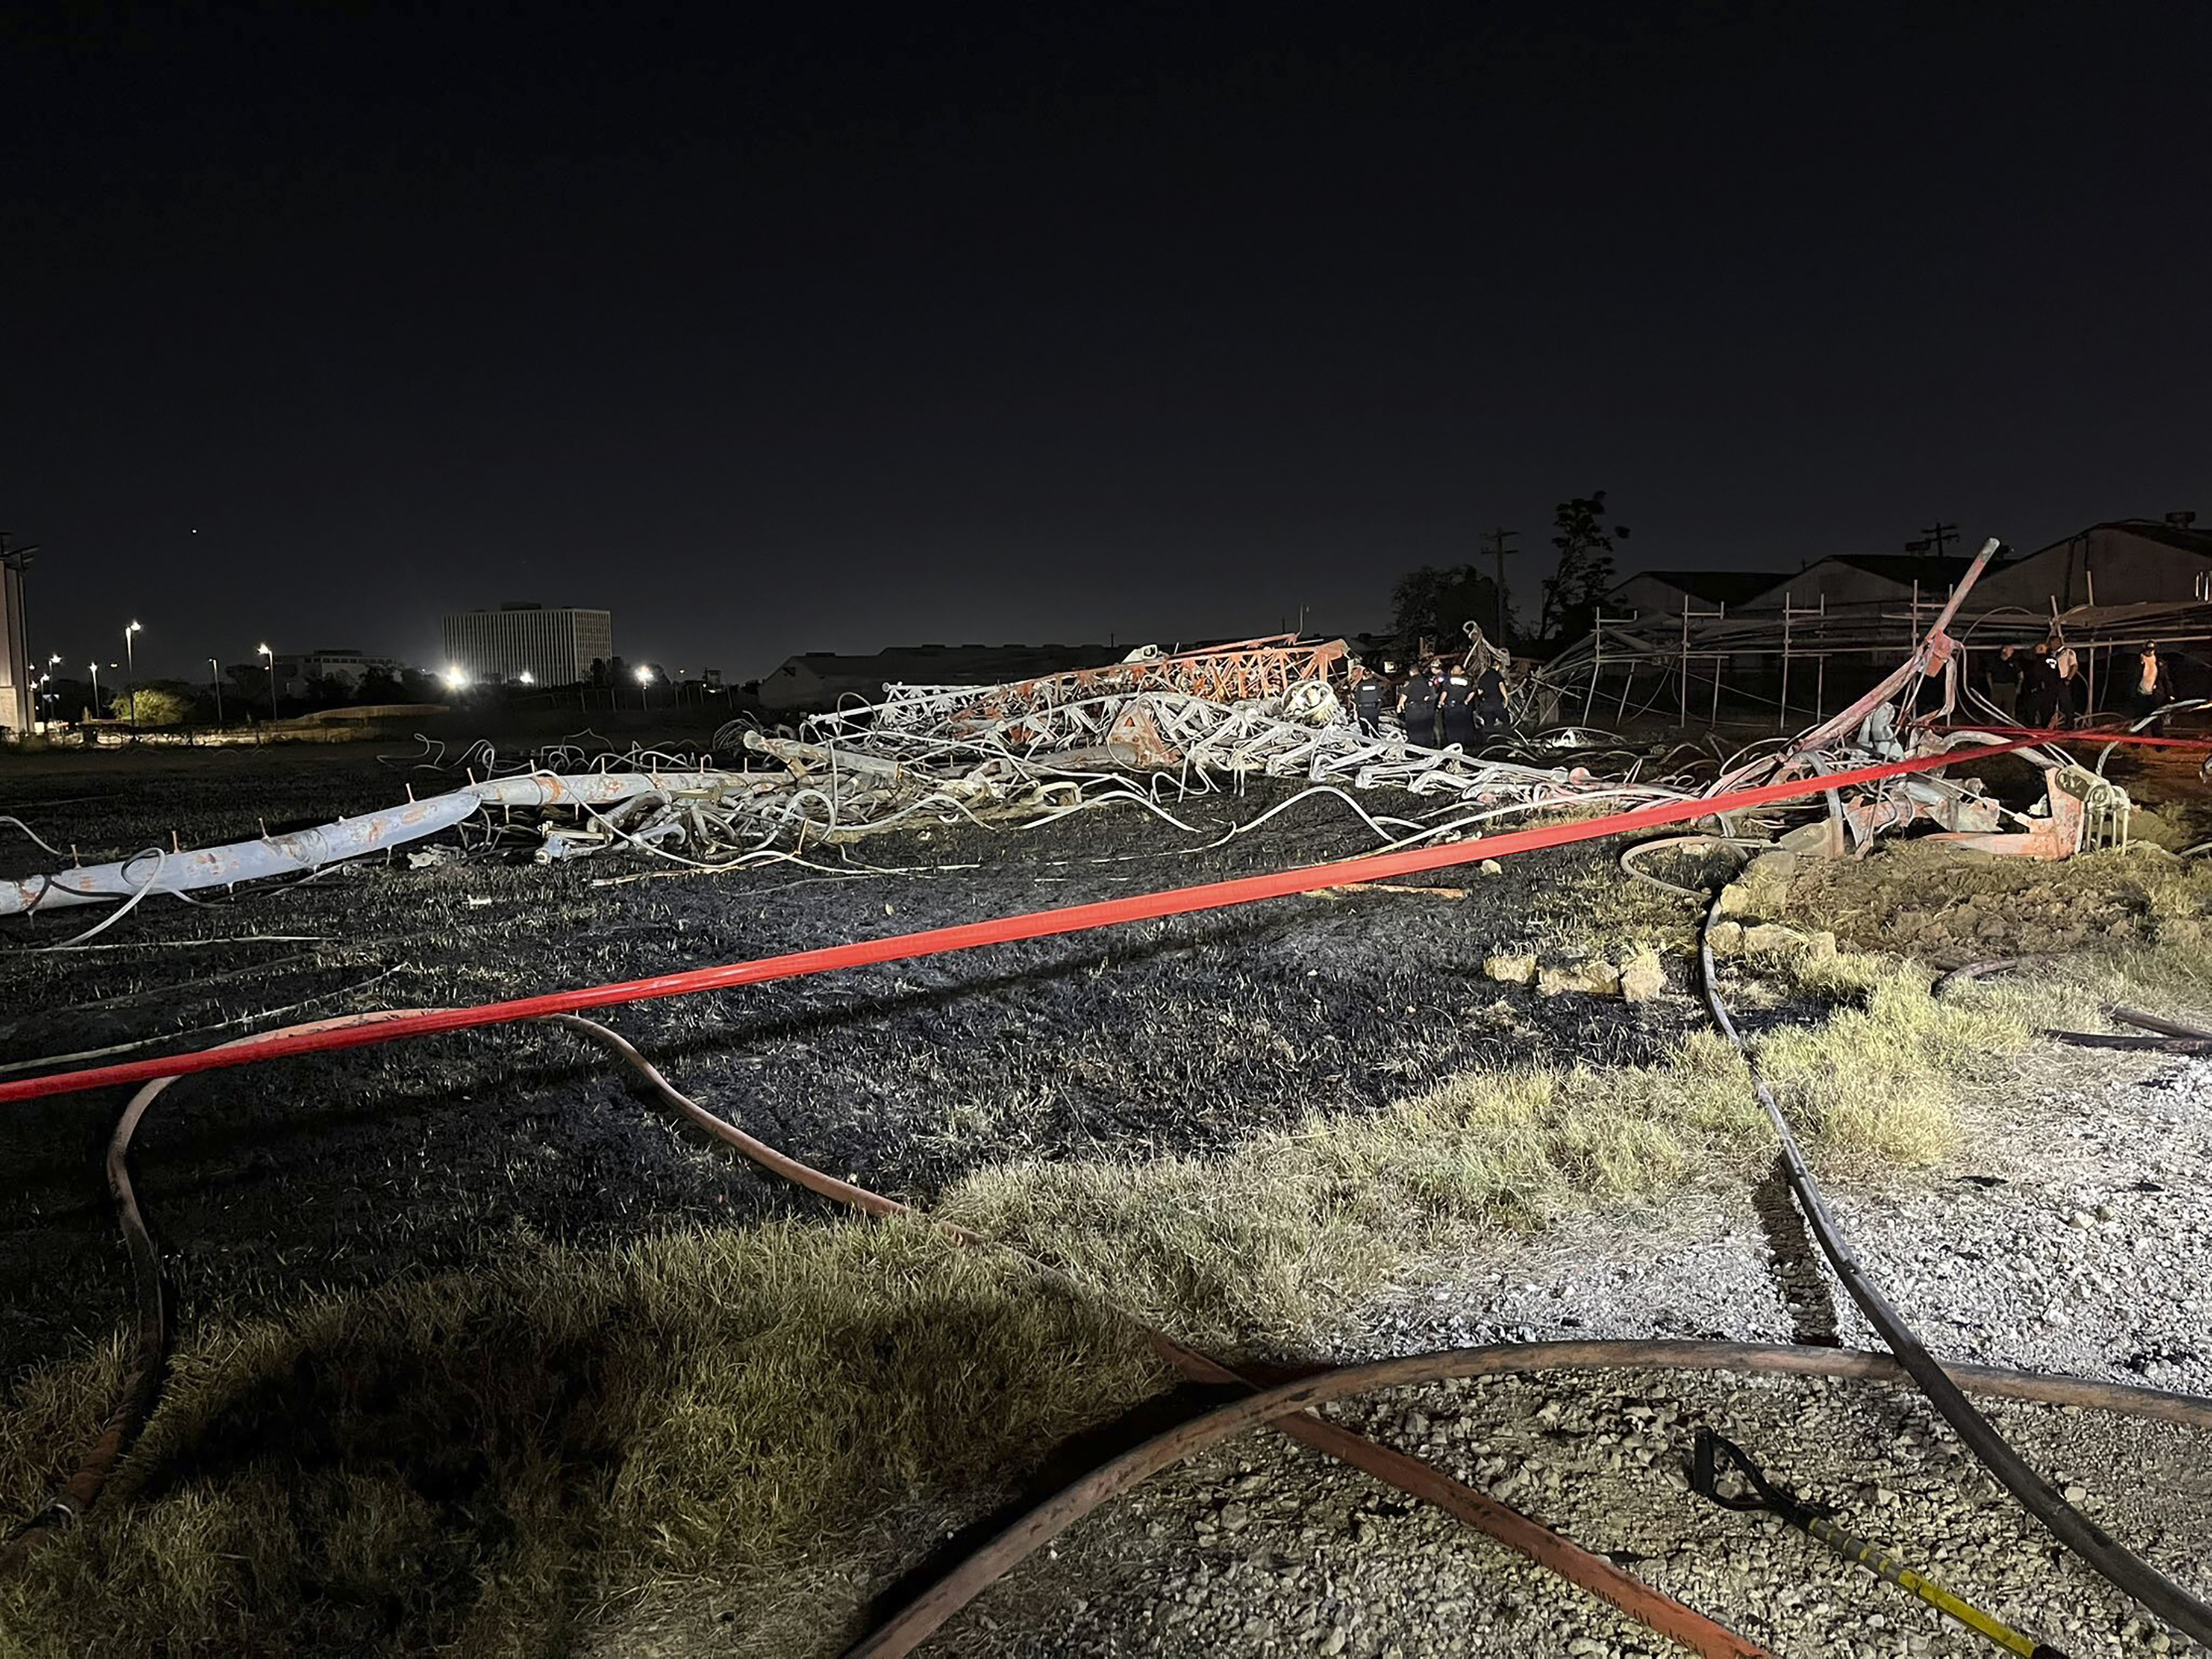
pixel 1933 539
pixel 1494 544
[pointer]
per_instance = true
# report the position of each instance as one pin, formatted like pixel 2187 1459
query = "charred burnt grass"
pixel 538 1365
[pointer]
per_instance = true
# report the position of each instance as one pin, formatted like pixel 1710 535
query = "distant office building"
pixel 520 640
pixel 343 665
pixel 18 695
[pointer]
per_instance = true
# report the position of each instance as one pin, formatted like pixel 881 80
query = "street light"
pixel 644 679
pixel 264 650
pixel 131 670
pixel 215 679
pixel 95 689
pixel 527 677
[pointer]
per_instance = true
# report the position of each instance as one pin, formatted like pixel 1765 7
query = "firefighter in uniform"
pixel 1416 707
pixel 1490 701
pixel 2038 683
pixel 1367 701
pixel 2068 687
pixel 1456 706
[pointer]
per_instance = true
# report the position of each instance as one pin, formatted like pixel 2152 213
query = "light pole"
pixel 215 679
pixel 95 689
pixel 130 671
pixel 264 650
pixel 644 680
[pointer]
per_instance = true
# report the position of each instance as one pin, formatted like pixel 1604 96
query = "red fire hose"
pixel 1004 930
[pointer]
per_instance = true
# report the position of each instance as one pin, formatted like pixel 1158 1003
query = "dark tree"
pixel 1436 605
pixel 379 685
pixel 1584 544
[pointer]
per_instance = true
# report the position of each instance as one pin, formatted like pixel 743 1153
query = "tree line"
pixel 1436 603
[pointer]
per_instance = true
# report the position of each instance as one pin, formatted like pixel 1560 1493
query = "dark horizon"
pixel 831 333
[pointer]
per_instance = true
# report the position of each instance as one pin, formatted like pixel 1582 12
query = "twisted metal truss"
pixel 1150 733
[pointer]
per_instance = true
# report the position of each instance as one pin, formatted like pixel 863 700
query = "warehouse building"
pixel 521 640
pixel 2124 561
pixel 1670 592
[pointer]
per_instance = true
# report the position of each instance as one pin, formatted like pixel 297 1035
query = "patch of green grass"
pixel 475 1462
pixel 1879 1077
pixel 1268 1245
pixel 2108 927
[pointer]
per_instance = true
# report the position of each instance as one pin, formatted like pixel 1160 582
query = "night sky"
pixel 817 328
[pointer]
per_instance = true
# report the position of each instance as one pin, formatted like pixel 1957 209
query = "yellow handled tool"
pixel 1764 1494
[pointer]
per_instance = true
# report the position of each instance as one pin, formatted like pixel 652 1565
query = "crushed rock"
pixel 2083 1195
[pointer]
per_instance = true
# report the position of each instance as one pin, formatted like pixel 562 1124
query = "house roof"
pixel 2198 542
pixel 1905 568
pixel 1717 586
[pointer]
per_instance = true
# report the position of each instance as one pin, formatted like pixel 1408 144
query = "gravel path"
pixel 2073 1236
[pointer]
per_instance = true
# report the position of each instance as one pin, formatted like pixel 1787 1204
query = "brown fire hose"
pixel 1540 1544
pixel 1659 1612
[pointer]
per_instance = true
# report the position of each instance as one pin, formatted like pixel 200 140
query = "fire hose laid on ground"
pixel 1592 1572
pixel 2109 1558
pixel 1005 930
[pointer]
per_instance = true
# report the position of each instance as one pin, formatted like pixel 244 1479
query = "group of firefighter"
pixel 2044 687
pixel 1434 706
pixel 1438 702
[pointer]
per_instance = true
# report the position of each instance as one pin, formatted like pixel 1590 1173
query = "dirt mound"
pixel 1947 907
